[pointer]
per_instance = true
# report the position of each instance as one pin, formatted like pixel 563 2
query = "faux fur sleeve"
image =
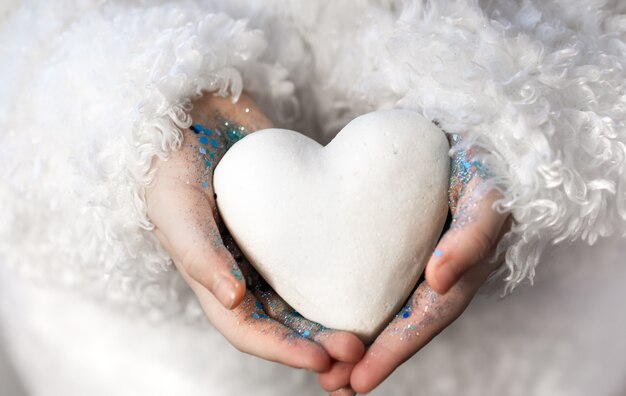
pixel 542 90
pixel 94 92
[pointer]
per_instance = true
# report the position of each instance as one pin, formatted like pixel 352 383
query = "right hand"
pixel 182 207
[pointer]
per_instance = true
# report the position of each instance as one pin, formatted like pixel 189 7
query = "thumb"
pixel 186 228
pixel 466 244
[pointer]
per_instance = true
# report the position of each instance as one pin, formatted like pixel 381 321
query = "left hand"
pixel 456 270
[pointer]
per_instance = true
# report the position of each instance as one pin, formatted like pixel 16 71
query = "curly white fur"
pixel 98 88
pixel 96 104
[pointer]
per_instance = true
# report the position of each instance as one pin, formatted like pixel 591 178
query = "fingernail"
pixel 224 290
pixel 446 275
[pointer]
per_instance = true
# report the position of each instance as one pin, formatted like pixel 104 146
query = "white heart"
pixel 341 232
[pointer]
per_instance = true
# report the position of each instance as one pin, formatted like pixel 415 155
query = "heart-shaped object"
pixel 341 232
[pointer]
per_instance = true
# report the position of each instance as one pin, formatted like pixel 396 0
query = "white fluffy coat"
pixel 92 90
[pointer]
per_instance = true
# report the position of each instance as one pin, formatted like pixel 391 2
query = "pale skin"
pixel 188 226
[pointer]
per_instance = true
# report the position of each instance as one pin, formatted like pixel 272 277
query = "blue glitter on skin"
pixel 464 171
pixel 259 305
pixel 306 333
pixel 264 316
pixel 221 142
pixel 255 315
pixel 438 253
pixel 404 312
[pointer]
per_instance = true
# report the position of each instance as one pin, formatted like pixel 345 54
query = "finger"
pixel 425 316
pixel 340 345
pixel 347 391
pixel 468 243
pixel 337 377
pixel 252 332
pixel 185 220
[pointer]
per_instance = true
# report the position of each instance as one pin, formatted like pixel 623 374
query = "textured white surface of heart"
pixel 341 232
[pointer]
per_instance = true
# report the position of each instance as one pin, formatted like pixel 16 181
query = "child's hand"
pixel 454 273
pixel 182 206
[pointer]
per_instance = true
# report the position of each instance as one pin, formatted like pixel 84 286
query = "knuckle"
pixel 191 263
pixel 481 242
